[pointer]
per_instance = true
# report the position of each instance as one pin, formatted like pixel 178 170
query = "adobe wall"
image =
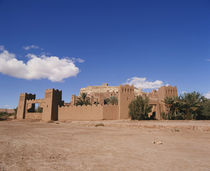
pixel 110 112
pixel 50 103
pixel 80 113
pixel 54 109
pixel 34 116
pixel 7 110
pixel 167 91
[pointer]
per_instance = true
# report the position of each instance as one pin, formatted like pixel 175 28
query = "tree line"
pixel 184 107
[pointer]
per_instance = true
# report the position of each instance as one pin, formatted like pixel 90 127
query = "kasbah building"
pixel 53 108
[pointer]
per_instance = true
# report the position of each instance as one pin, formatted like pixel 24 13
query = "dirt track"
pixel 119 145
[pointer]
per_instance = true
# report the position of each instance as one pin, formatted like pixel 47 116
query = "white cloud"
pixel 31 47
pixel 37 67
pixel 143 83
pixel 6 107
pixel 78 60
pixel 207 95
pixel 183 92
pixel 1 47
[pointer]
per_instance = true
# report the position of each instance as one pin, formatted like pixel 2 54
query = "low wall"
pixel 36 116
pixel 110 112
pixel 85 113
pixel 7 110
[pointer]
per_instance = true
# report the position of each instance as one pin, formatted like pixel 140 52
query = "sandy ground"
pixel 118 145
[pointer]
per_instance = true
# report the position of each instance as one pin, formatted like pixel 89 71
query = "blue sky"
pixel 72 44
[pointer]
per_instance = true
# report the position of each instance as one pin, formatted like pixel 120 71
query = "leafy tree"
pixel 83 100
pixel 139 108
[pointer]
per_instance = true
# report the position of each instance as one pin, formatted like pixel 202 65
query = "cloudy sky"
pixel 72 44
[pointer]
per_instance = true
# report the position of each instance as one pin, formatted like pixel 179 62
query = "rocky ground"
pixel 105 145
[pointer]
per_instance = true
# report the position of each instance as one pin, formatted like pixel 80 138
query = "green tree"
pixel 187 106
pixel 83 100
pixel 174 105
pixel 192 105
pixel 139 108
pixel 205 114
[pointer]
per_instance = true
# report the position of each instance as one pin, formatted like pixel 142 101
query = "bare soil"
pixel 105 145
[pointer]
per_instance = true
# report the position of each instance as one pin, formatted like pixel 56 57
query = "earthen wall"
pixel 34 116
pixel 110 112
pixel 85 113
pixel 7 110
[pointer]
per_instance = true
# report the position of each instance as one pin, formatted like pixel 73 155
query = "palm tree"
pixel 173 104
pixel 83 100
pixel 205 110
pixel 192 104
pixel 187 106
pixel 139 108
pixel 112 100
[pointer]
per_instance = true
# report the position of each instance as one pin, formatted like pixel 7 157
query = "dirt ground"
pixel 118 145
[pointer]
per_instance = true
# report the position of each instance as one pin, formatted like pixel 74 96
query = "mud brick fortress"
pixel 53 108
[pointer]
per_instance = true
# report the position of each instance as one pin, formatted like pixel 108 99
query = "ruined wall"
pixel 50 103
pixel 85 113
pixel 31 114
pixel 110 112
pixel 126 95
pixel 22 104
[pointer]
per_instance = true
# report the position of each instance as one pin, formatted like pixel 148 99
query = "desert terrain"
pixel 105 145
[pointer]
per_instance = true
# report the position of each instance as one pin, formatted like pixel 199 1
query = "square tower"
pixel 52 99
pixel 126 95
pixel 22 104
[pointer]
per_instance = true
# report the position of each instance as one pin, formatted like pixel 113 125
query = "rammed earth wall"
pixel 87 113
pixel 110 112
pixel 35 116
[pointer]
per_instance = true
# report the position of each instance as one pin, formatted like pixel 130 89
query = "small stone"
pixel 99 124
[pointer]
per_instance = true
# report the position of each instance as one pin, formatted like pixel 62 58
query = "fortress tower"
pixel 53 98
pixel 22 104
pixel 126 95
